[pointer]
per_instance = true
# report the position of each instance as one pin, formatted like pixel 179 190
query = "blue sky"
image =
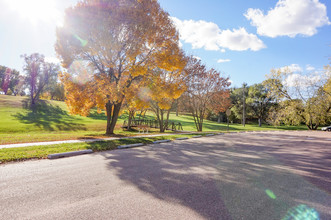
pixel 243 39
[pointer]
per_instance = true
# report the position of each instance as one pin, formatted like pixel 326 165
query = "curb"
pixel 69 154
pixel 161 141
pixel 130 146
pixel 197 136
pixel 183 138
pixel 208 135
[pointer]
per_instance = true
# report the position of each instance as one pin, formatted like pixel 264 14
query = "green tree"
pixel 302 98
pixel 236 96
pixel 259 101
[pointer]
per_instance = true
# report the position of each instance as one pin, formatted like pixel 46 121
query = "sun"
pixel 36 11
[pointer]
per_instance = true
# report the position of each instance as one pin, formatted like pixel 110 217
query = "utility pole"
pixel 244 104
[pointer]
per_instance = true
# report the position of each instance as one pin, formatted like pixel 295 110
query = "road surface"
pixel 258 175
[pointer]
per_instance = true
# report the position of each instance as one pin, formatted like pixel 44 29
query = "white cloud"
pixel 293 68
pixel 52 60
pixel 289 18
pixel 223 60
pixel 298 80
pixel 223 50
pixel 207 35
pixel 196 57
pixel 310 68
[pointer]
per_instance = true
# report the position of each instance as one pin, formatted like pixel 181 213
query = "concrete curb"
pixel 208 135
pixel 130 146
pixel 183 138
pixel 69 154
pixel 197 136
pixel 161 141
pixel 220 133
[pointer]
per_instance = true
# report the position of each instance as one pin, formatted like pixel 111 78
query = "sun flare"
pixel 36 11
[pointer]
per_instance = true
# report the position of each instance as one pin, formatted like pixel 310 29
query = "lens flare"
pixel 301 212
pixel 82 41
pixel 80 72
pixel 270 194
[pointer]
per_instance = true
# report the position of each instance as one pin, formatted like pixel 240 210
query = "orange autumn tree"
pixel 119 41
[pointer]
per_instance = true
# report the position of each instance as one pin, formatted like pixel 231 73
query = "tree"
pixel 6 81
pixel 2 75
pixel 220 102
pixel 205 88
pixel 121 42
pixel 244 103
pixel 259 101
pixel 38 74
pixel 18 89
pixel 236 96
pixel 136 100
pixel 302 97
pixel 9 78
pixel 166 86
pixel 54 91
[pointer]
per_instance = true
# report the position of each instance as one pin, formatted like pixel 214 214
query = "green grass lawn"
pixel 51 121
pixel 40 152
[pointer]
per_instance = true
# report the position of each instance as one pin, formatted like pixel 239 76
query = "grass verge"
pixel 40 152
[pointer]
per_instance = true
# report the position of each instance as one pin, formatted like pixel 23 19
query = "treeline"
pixel 278 100
pixel 128 55
pixel 39 79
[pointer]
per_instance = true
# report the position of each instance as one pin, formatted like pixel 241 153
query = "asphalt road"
pixel 233 176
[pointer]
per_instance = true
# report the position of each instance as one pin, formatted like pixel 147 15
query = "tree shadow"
pixel 312 158
pixel 97 116
pixel 48 117
pixel 219 179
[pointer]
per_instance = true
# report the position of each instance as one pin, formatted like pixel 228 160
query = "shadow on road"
pixel 222 178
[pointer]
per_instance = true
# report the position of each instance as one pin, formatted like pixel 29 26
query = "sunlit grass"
pixel 52 122
pixel 39 152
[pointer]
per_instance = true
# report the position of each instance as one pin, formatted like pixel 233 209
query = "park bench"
pixel 145 124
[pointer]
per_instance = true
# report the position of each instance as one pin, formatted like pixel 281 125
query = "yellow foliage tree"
pixel 136 100
pixel 166 86
pixel 118 42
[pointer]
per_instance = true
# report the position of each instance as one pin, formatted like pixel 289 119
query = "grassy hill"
pixel 51 121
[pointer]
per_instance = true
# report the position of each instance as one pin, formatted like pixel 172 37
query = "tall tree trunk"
pixel 244 105
pixel 201 116
pixel 177 107
pixel 260 122
pixel 116 111
pixel 167 119
pixel 109 108
pixel 196 119
pixel 161 121
pixel 200 126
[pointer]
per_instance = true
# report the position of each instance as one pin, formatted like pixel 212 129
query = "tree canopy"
pixel 302 98
pixel 119 42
